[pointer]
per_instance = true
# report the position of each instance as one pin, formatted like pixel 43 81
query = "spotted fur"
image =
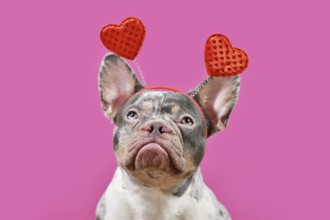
pixel 169 191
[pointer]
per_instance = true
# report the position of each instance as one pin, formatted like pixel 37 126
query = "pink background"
pixel 56 155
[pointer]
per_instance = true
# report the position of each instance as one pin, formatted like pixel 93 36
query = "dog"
pixel 159 142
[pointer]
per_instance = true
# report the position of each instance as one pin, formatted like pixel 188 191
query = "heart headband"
pixel 221 59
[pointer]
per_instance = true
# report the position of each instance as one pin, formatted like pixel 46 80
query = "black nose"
pixel 156 128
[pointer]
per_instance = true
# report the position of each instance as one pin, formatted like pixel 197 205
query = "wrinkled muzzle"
pixel 156 145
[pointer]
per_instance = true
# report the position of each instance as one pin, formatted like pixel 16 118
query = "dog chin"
pixel 155 158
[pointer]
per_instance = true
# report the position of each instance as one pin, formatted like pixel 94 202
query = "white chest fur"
pixel 124 199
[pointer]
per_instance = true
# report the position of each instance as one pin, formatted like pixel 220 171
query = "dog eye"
pixel 187 121
pixel 131 115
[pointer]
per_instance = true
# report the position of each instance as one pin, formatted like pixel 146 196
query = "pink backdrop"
pixel 56 155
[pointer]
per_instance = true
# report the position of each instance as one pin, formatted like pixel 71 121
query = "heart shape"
pixel 221 59
pixel 125 39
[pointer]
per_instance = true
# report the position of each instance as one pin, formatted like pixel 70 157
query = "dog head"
pixel 160 135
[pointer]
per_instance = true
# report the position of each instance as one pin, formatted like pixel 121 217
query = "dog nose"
pixel 156 128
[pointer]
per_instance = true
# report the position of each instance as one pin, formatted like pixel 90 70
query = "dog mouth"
pixel 152 156
pixel 155 155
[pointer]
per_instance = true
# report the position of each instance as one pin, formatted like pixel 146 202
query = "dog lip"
pixel 154 155
pixel 173 161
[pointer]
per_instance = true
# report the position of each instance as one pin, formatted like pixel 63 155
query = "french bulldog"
pixel 159 142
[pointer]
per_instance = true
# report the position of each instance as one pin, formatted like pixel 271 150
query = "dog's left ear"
pixel 217 96
pixel 117 82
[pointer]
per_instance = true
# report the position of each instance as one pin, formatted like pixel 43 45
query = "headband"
pixel 221 59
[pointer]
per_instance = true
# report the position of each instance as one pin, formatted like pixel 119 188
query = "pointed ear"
pixel 217 97
pixel 117 82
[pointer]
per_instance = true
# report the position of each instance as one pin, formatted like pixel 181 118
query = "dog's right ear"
pixel 117 82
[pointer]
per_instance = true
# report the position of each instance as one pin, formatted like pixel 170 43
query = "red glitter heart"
pixel 221 59
pixel 125 39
